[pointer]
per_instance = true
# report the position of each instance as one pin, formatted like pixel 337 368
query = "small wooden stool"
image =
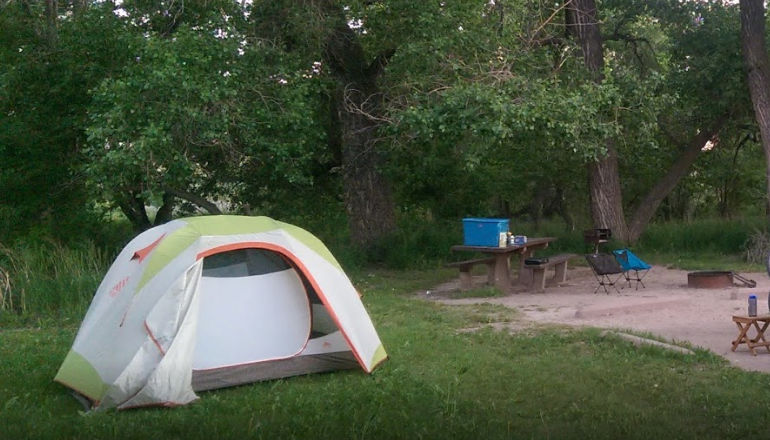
pixel 744 323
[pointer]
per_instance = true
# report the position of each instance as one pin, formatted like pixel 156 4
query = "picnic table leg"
pixel 491 273
pixel 561 273
pixel 538 279
pixel 466 280
pixel 525 275
pixel 502 272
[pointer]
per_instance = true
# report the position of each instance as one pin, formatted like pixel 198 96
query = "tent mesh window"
pixel 243 263
pixel 251 262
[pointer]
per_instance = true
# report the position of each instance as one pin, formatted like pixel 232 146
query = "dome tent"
pixel 208 302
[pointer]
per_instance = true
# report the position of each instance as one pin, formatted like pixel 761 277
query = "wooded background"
pixel 611 113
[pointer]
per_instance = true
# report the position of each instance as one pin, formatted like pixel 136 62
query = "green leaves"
pixel 198 111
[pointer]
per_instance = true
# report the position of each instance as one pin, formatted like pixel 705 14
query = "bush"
pixel 757 247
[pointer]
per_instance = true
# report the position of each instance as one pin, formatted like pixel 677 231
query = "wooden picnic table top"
pixel 531 242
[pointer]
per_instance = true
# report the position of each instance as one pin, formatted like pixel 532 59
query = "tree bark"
pixel 166 211
pixel 603 174
pixel 678 170
pixel 368 198
pixel 132 205
pixel 204 203
pixel 757 66
pixel 51 19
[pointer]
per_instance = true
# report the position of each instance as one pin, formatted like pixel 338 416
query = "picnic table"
pixel 501 275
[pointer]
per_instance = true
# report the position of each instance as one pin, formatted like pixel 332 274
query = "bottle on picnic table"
pixel 752 305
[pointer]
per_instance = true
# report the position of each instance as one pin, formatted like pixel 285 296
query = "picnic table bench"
pixel 466 279
pixel 558 262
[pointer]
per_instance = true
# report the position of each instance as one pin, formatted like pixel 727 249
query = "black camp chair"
pixel 605 267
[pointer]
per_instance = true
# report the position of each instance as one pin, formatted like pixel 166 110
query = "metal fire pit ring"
pixel 710 279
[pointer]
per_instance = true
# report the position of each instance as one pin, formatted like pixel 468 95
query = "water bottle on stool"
pixel 752 305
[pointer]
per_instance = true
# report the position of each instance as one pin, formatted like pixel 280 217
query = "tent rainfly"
pixel 209 302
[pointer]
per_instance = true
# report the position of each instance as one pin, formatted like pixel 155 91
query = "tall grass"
pixel 726 236
pixel 47 279
pixel 423 242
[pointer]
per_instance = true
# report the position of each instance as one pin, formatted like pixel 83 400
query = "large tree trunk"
pixel 368 198
pixel 51 19
pixel 758 71
pixel 647 207
pixel 603 174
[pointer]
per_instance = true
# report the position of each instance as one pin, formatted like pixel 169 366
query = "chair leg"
pixel 627 279
pixel 610 282
pixel 616 281
pixel 605 281
pixel 600 280
pixel 644 274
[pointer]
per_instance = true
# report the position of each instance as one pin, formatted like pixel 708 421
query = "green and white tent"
pixel 210 302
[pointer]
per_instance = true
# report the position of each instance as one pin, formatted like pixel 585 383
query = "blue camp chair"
pixel 631 263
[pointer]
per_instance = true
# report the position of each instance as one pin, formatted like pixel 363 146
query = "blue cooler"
pixel 484 231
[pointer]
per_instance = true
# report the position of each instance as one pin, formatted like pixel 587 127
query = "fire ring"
pixel 710 279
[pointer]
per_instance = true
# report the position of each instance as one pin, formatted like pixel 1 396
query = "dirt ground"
pixel 667 307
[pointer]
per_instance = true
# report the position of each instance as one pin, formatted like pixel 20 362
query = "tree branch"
pixel 647 207
pixel 181 194
pixel 632 40
pixel 379 63
pixel 194 199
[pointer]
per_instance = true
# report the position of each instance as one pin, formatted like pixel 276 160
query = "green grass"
pixel 450 375
pixel 698 236
pixel 440 382
pixel 703 261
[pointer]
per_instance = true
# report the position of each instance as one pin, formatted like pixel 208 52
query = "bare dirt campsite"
pixel 667 308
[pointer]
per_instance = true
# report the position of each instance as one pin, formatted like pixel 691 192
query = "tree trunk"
pixel 132 205
pixel 368 199
pixel 603 174
pixel 757 66
pixel 51 19
pixel 166 211
pixel 647 207
pixel 195 199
